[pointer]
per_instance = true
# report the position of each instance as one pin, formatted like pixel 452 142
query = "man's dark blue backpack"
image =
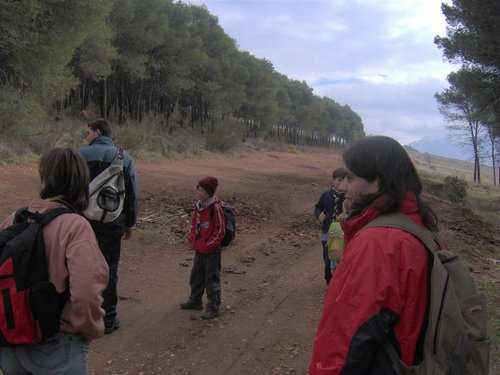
pixel 229 221
pixel 30 307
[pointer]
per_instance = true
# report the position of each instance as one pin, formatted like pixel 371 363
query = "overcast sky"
pixel 377 56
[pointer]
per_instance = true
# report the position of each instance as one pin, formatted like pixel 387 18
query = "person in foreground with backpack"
pixel 99 155
pixel 207 233
pixel 75 266
pixel 377 306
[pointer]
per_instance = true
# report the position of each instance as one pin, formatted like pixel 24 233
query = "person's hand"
pixel 128 233
pixel 322 217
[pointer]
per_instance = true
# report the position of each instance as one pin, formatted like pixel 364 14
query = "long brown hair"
pixel 384 158
pixel 63 172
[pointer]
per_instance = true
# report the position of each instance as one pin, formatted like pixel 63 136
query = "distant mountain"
pixel 442 147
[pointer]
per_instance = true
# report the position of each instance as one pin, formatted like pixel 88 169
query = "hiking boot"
pixel 190 305
pixel 210 314
pixel 111 327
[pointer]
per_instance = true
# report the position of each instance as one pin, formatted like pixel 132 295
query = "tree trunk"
pixel 120 102
pixel 478 168
pixel 103 104
pixel 202 116
pixel 82 95
pixel 494 162
pixel 473 125
pixel 139 98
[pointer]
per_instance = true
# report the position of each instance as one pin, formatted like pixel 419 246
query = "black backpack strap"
pixel 395 358
pixel 117 160
pixel 45 218
pixel 119 154
pixel 23 214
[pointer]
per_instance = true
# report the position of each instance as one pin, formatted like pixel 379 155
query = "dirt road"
pixel 272 285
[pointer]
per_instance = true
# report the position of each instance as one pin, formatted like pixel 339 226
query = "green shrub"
pixel 485 201
pixel 225 135
pixel 65 132
pixel 20 112
pixel 151 136
pixel 456 188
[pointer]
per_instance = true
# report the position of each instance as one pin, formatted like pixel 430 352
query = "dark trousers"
pixel 205 275
pixel 109 238
pixel 328 271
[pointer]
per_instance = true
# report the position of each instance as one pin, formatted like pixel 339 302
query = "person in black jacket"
pixel 99 154
pixel 327 209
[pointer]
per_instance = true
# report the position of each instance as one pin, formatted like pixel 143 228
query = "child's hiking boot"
pixel 210 314
pixel 192 305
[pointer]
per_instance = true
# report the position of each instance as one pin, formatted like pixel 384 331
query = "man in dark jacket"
pixel 327 209
pixel 99 154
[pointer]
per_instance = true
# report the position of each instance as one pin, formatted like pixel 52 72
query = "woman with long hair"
pixel 379 292
pixel 76 268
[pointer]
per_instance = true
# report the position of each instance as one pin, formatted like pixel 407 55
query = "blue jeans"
pixel 64 353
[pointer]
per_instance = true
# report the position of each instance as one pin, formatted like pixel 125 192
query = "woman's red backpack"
pixel 30 307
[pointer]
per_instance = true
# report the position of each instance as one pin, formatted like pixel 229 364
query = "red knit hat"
pixel 209 184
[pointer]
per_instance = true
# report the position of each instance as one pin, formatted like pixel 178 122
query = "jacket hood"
pixel 43 205
pixel 200 206
pixel 357 221
pixel 102 140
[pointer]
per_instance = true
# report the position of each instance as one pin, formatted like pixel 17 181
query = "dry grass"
pixel 483 199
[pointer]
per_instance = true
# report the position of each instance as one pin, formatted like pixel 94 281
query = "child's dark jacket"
pixel 330 203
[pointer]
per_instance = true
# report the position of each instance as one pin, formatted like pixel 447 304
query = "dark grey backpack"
pixel 456 341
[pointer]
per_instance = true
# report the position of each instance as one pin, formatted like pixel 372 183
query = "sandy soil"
pixel 272 282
